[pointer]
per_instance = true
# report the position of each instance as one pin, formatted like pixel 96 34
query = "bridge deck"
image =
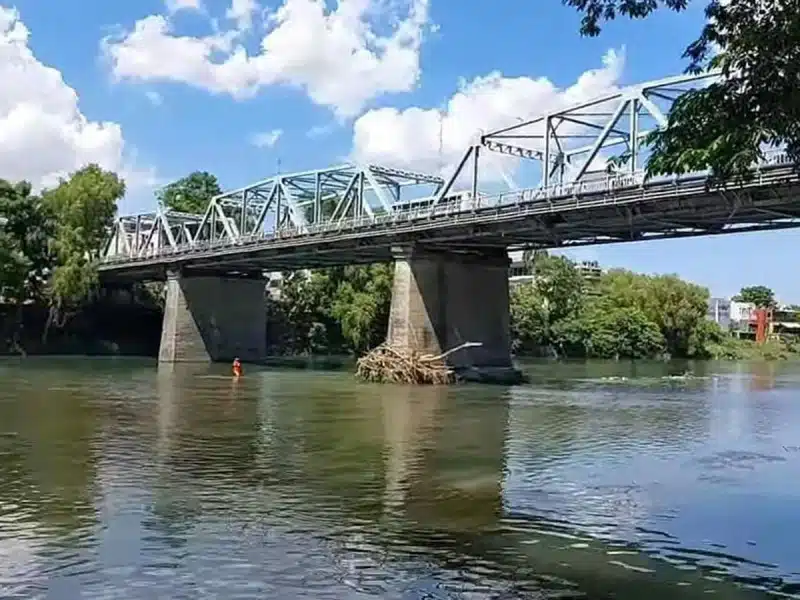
pixel 636 211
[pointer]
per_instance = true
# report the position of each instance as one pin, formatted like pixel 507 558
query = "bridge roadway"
pixel 617 209
pixel 450 247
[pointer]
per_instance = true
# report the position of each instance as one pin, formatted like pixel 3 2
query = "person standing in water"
pixel 237 367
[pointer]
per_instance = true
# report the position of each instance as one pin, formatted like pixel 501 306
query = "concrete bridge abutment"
pixel 213 318
pixel 442 299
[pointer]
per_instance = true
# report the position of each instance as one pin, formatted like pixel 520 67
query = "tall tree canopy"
pixel 84 206
pixel 760 295
pixel 725 126
pixel 50 243
pixel 25 250
pixel 190 194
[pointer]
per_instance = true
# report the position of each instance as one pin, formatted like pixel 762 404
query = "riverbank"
pixel 731 348
pixel 114 328
pixel 100 329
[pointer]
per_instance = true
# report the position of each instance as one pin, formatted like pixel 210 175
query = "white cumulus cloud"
pixel 434 139
pixel 342 57
pixel 266 139
pixel 43 134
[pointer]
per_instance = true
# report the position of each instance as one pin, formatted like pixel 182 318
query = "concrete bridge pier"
pixel 442 299
pixel 213 318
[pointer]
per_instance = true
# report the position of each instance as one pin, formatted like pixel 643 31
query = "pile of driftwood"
pixel 386 364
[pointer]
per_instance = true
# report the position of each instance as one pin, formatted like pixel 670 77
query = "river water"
pixel 122 480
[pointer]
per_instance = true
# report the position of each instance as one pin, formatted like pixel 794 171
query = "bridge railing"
pixel 465 204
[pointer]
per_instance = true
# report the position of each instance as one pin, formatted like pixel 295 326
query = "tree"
pixel 83 206
pixel 537 308
pixel 624 315
pixel 301 301
pixel 528 319
pixel 26 232
pixel 596 11
pixel 190 194
pixel 760 295
pixel 620 332
pixel 727 125
pixel 675 306
pixel 14 269
pixel 362 305
pixel 340 309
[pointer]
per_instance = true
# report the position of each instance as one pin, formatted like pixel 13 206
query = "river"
pixel 119 479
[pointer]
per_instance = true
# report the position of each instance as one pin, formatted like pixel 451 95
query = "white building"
pixel 741 313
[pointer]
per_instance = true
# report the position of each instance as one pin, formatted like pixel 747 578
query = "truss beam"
pixel 603 136
pixel 150 234
pixel 287 203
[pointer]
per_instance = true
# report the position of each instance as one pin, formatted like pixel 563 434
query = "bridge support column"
pixel 213 318
pixel 441 300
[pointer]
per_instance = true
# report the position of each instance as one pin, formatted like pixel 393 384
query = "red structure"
pixel 762 318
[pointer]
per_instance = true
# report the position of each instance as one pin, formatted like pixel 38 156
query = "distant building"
pixel 784 320
pixel 590 269
pixel 719 311
pixel 519 272
pixel 741 315
pixel 781 320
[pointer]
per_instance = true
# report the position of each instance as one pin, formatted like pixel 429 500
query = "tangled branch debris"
pixel 386 364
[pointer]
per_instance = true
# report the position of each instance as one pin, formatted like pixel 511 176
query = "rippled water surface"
pixel 122 480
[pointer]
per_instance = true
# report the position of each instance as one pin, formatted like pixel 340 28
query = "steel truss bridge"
pixel 586 162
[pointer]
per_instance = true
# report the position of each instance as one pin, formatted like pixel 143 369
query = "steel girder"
pixel 595 139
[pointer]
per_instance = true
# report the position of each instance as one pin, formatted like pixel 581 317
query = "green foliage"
pixel 83 206
pixel 73 281
pixel 626 315
pixel 675 306
pixel 760 295
pixel 727 347
pixel 190 194
pixel 725 126
pixel 540 310
pixel 620 332
pixel 14 269
pixel 361 305
pixel 342 309
pixel 49 243
pixel 596 11
pixel 25 232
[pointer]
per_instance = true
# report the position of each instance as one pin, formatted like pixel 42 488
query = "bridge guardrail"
pixel 560 191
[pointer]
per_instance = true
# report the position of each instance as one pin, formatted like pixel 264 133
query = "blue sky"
pixel 157 89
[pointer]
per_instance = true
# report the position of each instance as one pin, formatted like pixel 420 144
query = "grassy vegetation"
pixel 731 348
